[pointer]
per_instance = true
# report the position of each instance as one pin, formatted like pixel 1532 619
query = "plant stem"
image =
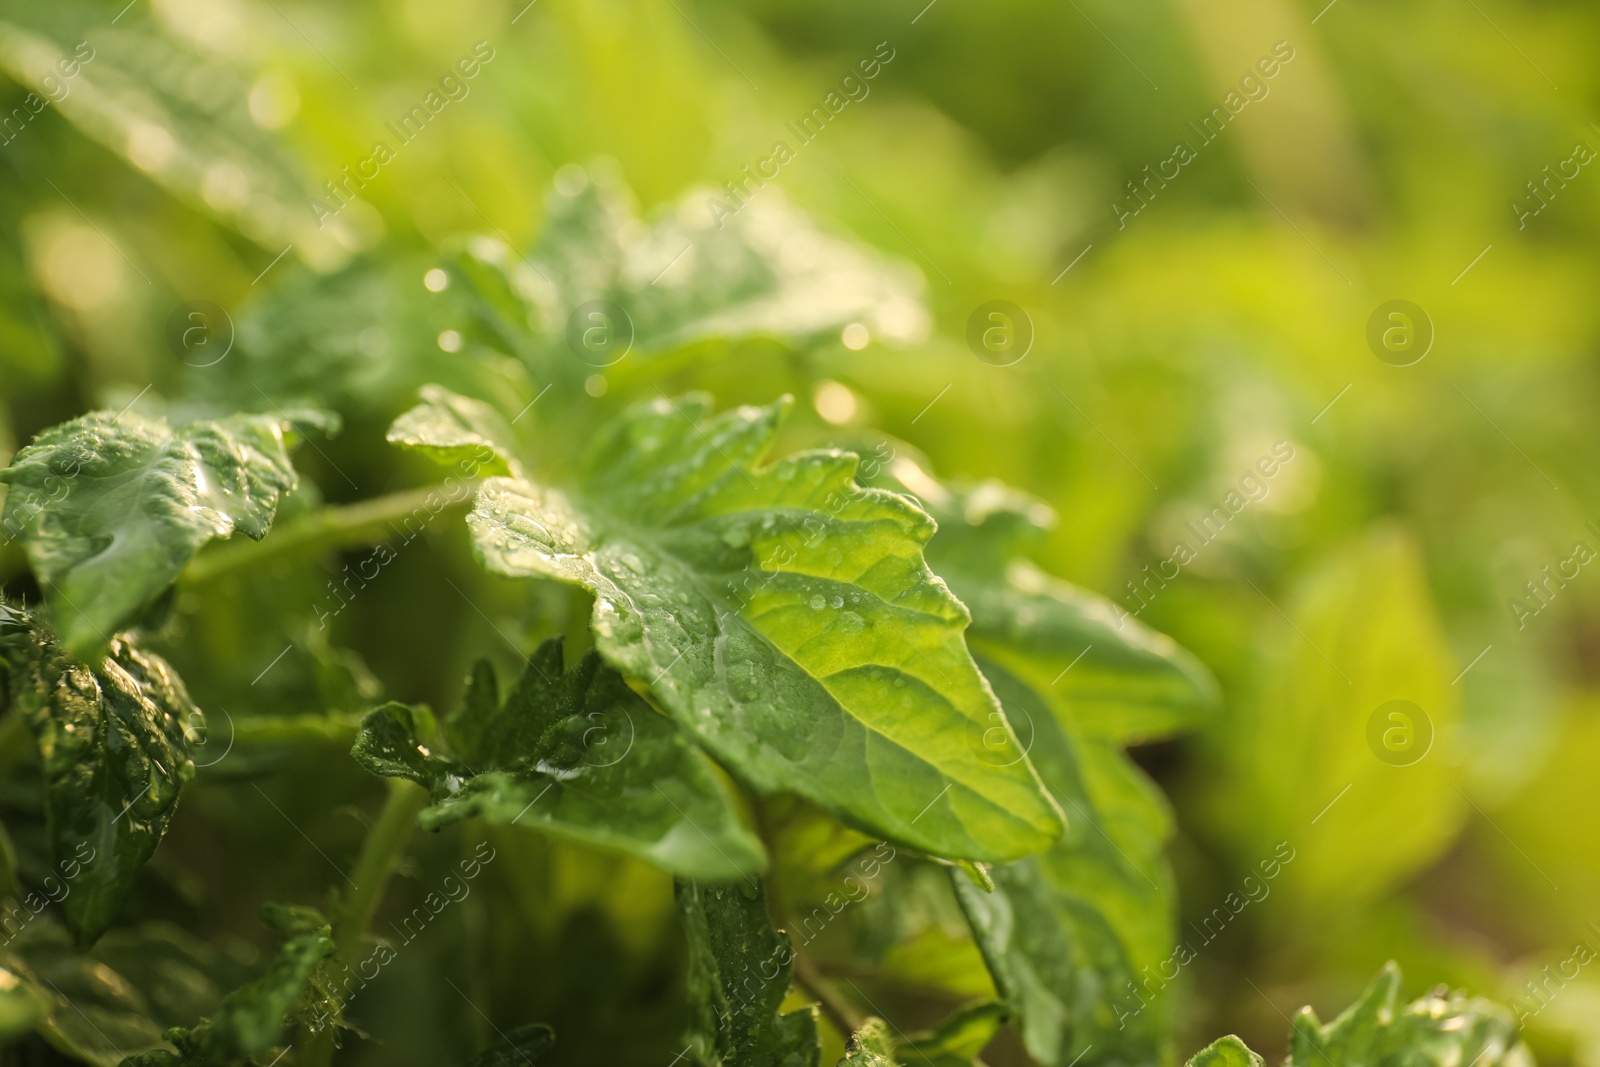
pixel 380 852
pixel 341 526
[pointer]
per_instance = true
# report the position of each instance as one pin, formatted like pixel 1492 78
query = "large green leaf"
pixel 112 742
pixel 575 753
pixel 739 969
pixel 1067 933
pixel 111 507
pixel 784 616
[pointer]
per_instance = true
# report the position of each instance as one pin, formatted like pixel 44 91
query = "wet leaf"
pixel 784 616
pixel 739 969
pixel 111 507
pixel 112 742
pixel 451 428
pixel 574 753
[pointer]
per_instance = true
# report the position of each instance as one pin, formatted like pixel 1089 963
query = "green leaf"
pixel 684 277
pixel 522 1046
pixel 870 1046
pixel 577 754
pixel 1437 1030
pixel 1362 663
pixel 112 743
pixel 1226 1052
pixel 784 616
pixel 450 428
pixel 111 507
pixel 252 1017
pixel 732 949
pixel 958 1040
pixel 177 115
pixel 1066 934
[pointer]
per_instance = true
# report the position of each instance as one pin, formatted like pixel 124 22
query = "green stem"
pixel 380 852
pixel 341 526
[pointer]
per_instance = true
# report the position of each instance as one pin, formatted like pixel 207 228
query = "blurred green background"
pixel 1386 560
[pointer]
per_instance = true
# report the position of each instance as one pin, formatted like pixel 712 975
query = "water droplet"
pixel 817 602
pixel 837 602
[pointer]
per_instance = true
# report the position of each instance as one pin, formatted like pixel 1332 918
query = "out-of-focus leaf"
pixel 112 742
pixel 958 1040
pixel 575 753
pixel 522 1046
pixel 451 428
pixel 1226 1052
pixel 681 279
pixel 870 1046
pixel 1323 728
pixel 739 970
pixel 111 507
pixel 1066 933
pixel 94 1012
pixel 176 115
pixel 784 615
pixel 20 1007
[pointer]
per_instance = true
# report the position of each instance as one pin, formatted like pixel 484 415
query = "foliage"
pixel 827 750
